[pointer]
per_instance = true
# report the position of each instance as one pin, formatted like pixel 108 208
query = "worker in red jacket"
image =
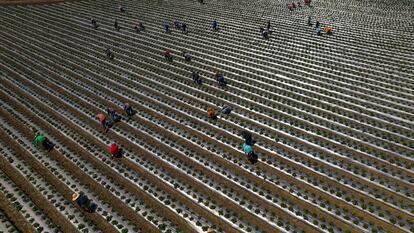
pixel 115 151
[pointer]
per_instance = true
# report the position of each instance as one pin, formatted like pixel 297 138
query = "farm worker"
pixel 319 31
pixel 167 27
pixel 113 115
pixel 109 53
pixel 128 109
pixel 114 150
pixel 211 113
pixel 328 30
pixel 250 155
pixel 101 117
pixel 248 140
pixel 215 25
pixel 39 139
pixel 196 77
pixel 117 27
pixel 247 148
pixel 226 109
pixel 184 27
pixel 42 140
pixel 93 21
pixel 168 54
pixel 220 79
pixel 187 56
pixel 84 202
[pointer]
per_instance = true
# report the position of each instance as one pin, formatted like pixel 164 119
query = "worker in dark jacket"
pixel 141 26
pixel 177 25
pixel 113 115
pixel 220 79
pixel 121 9
pixel 187 56
pixel 117 27
pixel 94 23
pixel 167 27
pixel 184 27
pixel 109 53
pixel 215 25
pixel 196 77
pixel 84 202
pixel 128 110
pixel 226 109
pixel 247 136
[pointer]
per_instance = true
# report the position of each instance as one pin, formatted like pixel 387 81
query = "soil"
pixel 30 2
pixel 93 185
pixel 100 222
pixel 236 169
pixel 14 216
pixel 164 211
pixel 38 199
pixel 123 209
pixel 255 179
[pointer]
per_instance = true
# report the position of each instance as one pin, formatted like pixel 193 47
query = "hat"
pixel 75 196
pixel 210 230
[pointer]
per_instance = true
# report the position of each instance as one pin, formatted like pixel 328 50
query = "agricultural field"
pixel 332 117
